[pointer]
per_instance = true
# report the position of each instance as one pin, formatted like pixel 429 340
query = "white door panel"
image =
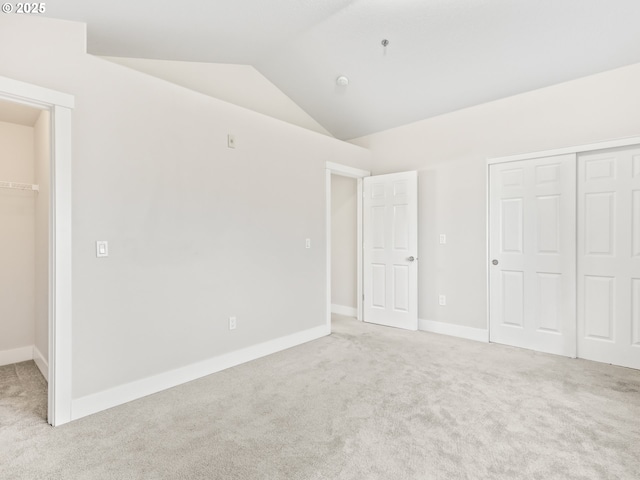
pixel 390 240
pixel 532 239
pixel 609 256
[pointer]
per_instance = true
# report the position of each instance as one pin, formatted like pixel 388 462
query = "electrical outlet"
pixel 232 323
pixel 442 300
pixel 443 239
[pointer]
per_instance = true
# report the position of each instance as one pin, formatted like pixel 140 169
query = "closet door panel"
pixel 609 256
pixel 532 254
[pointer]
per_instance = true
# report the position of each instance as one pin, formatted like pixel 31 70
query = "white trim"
pixel 60 367
pixel 620 142
pixel 33 95
pixel 60 307
pixel 487 247
pixel 327 229
pixel 100 401
pixel 16 355
pixel 41 363
pixel 345 171
pixel 360 272
pixel 344 310
pixel 461 331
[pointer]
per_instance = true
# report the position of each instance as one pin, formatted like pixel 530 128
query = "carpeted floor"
pixel 367 402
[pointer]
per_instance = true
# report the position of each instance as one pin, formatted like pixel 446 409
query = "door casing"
pixel 351 172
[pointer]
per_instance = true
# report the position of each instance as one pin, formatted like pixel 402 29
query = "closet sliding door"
pixel 532 254
pixel 609 256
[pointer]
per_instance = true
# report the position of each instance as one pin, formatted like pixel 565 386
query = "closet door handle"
pixel 494 261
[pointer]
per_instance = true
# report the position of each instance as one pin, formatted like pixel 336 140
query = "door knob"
pixel 495 262
pixel 411 259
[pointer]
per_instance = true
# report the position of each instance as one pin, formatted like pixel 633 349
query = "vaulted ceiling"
pixel 442 55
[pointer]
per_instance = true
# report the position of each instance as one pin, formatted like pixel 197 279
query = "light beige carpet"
pixel 367 402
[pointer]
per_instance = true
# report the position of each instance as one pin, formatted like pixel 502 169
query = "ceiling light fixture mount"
pixel 342 81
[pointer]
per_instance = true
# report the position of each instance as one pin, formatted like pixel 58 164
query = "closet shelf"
pixel 19 186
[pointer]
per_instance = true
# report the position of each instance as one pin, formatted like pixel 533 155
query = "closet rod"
pixel 19 186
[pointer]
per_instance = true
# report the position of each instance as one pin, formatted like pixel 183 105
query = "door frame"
pixel 577 149
pixel 351 172
pixel 60 254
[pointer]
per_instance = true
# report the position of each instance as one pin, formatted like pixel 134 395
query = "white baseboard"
pixel 41 363
pixel 342 310
pixel 16 355
pixel 470 333
pixel 112 397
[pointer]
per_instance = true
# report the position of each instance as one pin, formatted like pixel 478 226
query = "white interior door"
pixel 532 241
pixel 390 249
pixel 609 256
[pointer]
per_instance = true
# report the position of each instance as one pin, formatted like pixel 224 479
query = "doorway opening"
pixel 348 181
pixel 344 246
pixel 24 256
pixel 36 199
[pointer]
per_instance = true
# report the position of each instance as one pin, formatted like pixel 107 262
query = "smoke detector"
pixel 342 81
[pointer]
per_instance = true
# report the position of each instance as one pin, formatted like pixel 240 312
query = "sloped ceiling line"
pixel 444 54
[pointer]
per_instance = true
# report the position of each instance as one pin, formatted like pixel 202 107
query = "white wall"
pixel 241 85
pixel 197 232
pixel 450 153
pixel 17 266
pixel 344 241
pixel 42 150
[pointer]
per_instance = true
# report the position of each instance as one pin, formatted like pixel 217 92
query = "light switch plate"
pixel 307 243
pixel 231 141
pixel 443 239
pixel 102 248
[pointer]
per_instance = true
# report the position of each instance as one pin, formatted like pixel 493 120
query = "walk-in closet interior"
pixel 25 146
